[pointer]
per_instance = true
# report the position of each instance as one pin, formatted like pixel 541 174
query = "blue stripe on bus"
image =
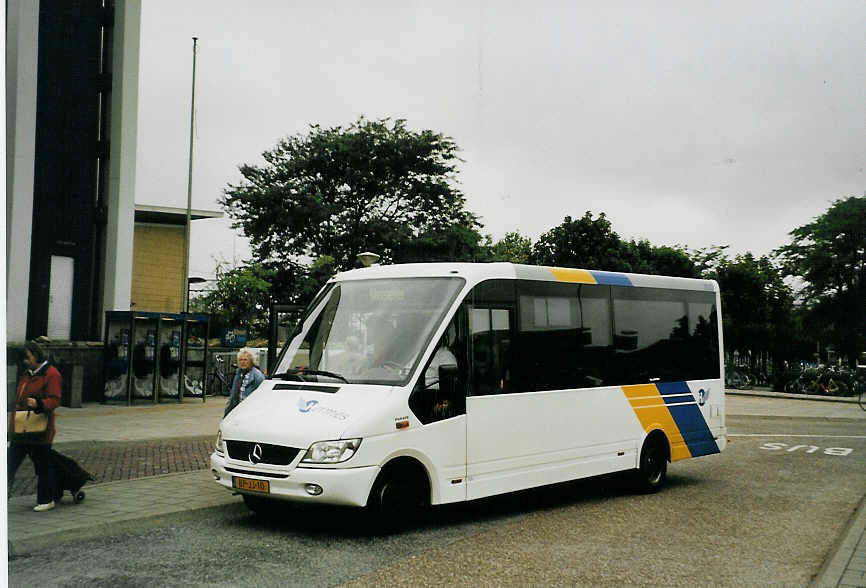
pixel 611 278
pixel 675 392
pixel 689 419
pixel 694 429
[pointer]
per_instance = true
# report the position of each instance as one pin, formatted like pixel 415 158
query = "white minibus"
pixel 418 384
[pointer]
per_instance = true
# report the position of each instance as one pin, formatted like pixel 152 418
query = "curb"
pixel 839 556
pixel 770 394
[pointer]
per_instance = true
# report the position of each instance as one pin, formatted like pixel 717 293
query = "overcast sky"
pixel 690 123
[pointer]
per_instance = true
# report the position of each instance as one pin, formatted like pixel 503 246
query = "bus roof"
pixel 476 272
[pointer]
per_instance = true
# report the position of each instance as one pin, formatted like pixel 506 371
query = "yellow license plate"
pixel 249 485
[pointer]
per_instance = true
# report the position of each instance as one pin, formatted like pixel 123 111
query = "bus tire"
pixel 398 497
pixel 653 466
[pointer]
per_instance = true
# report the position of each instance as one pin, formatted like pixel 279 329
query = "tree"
pixel 757 305
pixel 297 283
pixel 642 257
pixel 582 243
pixel 513 247
pixel 240 297
pixel 591 243
pixel 829 255
pixel 457 242
pixel 375 185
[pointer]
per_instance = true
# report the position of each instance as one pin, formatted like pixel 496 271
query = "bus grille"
pixel 271 454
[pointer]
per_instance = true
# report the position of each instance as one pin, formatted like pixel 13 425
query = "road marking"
pixel 808 436
pixel 842 451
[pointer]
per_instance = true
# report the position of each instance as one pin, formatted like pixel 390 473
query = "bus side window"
pixel 563 335
pixel 664 335
pixel 491 323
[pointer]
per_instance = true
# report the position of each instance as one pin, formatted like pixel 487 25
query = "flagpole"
pixel 189 184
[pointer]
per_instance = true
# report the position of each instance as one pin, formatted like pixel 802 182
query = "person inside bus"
pixel 352 362
pixel 443 407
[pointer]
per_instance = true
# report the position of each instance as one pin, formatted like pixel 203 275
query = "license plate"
pixel 249 485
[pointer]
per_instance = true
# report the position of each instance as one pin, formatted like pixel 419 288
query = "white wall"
pixel 121 172
pixel 22 36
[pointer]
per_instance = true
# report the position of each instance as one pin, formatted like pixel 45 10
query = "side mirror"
pixel 447 379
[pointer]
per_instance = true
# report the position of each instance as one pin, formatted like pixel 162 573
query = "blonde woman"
pixel 247 379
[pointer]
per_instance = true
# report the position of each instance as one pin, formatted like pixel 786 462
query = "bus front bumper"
pixel 345 486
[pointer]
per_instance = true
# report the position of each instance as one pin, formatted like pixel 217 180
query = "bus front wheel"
pixel 396 500
pixel 653 467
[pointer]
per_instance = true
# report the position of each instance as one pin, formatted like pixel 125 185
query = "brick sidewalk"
pixel 125 460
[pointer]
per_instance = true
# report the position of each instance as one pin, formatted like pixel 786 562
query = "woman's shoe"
pixel 44 507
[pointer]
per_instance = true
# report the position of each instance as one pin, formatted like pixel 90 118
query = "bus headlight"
pixel 331 451
pixel 220 446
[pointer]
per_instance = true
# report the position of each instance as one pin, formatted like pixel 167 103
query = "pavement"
pixel 117 503
pixel 152 469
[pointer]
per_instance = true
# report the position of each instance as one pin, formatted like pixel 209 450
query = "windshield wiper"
pixel 298 372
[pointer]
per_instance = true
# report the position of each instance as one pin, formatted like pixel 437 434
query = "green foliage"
pixel 456 242
pixel 644 258
pixel 372 186
pixel 513 247
pixel 319 272
pixel 582 243
pixel 296 283
pixel 757 305
pixel 829 255
pixel 708 259
pixel 591 243
pixel 240 297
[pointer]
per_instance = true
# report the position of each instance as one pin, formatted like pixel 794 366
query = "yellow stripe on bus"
pixel 650 409
pixel 577 276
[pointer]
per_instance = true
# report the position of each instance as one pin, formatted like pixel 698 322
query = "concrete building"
pixel 76 243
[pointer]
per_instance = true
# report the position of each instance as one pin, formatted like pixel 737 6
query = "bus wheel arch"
pixel 399 495
pixel 653 461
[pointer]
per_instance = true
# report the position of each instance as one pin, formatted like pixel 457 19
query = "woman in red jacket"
pixel 38 391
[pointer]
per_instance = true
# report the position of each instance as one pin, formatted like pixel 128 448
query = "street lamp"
pixel 367 258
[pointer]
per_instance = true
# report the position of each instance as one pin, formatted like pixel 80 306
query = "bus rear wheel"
pixel 653 468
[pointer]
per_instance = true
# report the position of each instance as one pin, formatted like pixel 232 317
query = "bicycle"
pixel 808 382
pixel 737 378
pixel 795 386
pixel 218 383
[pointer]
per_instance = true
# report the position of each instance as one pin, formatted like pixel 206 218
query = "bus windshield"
pixel 368 331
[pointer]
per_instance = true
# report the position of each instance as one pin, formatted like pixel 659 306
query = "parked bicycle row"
pixel 816 380
pixel 827 381
pixel 743 378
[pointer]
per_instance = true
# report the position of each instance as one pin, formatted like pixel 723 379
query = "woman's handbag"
pixel 27 421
